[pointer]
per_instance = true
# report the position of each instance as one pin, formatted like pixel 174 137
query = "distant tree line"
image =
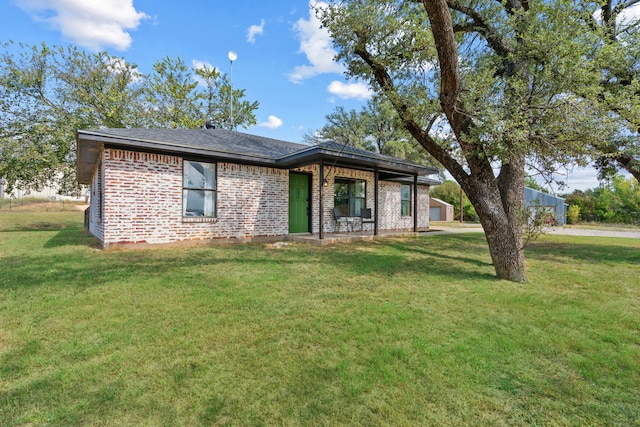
pixel 449 191
pixel 615 201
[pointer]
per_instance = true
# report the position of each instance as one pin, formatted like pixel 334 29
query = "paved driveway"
pixel 471 228
pixel 598 233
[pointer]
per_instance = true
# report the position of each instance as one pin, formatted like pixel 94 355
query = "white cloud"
pixel 272 122
pixel 359 91
pixel 119 65
pixel 629 16
pixel 440 128
pixel 315 43
pixel 577 178
pixel 200 65
pixel 93 24
pixel 255 30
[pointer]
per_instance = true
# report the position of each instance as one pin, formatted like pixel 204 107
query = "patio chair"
pixel 365 217
pixel 340 219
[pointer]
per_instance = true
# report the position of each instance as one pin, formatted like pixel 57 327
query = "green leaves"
pixel 376 127
pixel 531 73
pixel 171 97
pixel 47 93
pixel 617 201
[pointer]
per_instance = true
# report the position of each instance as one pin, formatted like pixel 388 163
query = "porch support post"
pixel 415 203
pixel 376 178
pixel 320 201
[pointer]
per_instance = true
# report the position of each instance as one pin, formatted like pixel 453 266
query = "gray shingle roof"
pixel 232 146
pixel 341 149
pixel 215 140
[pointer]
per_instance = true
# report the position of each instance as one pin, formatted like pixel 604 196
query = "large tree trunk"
pixel 498 201
pixel 631 164
pixel 500 209
pixel 504 237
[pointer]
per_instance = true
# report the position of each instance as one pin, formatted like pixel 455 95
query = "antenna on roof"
pixel 232 57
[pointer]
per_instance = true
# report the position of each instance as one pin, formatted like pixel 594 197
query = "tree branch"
pixel 479 24
pixel 620 7
pixel 450 84
pixel 385 82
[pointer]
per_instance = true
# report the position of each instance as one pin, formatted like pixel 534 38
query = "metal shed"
pixel 440 210
pixel 534 199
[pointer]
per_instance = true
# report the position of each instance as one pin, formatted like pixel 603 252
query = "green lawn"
pixel 412 331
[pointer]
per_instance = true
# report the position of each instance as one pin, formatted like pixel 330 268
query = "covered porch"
pixel 385 195
pixel 349 237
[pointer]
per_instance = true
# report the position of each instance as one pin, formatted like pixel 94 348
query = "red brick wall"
pixel 389 194
pixel 143 201
pixel 141 197
pixel 391 218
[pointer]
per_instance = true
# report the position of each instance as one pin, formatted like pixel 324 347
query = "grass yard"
pixel 412 331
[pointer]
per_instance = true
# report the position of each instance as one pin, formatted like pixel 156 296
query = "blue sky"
pixel 284 60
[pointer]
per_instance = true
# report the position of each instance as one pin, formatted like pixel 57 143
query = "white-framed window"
pixel 405 200
pixel 198 189
pixel 349 196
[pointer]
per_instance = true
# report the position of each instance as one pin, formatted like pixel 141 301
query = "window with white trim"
pixel 198 189
pixel 349 196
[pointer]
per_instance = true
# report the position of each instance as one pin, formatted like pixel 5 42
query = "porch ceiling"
pixel 87 155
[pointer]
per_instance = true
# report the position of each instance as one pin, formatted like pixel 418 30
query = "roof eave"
pixel 87 153
pixel 315 154
pixel 422 180
pixel 90 144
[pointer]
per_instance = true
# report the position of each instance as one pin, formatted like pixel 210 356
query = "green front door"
pixel 299 205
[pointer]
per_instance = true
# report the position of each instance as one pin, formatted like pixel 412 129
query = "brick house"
pixel 162 186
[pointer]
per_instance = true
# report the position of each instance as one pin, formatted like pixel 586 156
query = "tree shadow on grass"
pixel 605 251
pixel 446 257
pixel 433 252
pixel 456 257
pixel 67 235
pixel 80 268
